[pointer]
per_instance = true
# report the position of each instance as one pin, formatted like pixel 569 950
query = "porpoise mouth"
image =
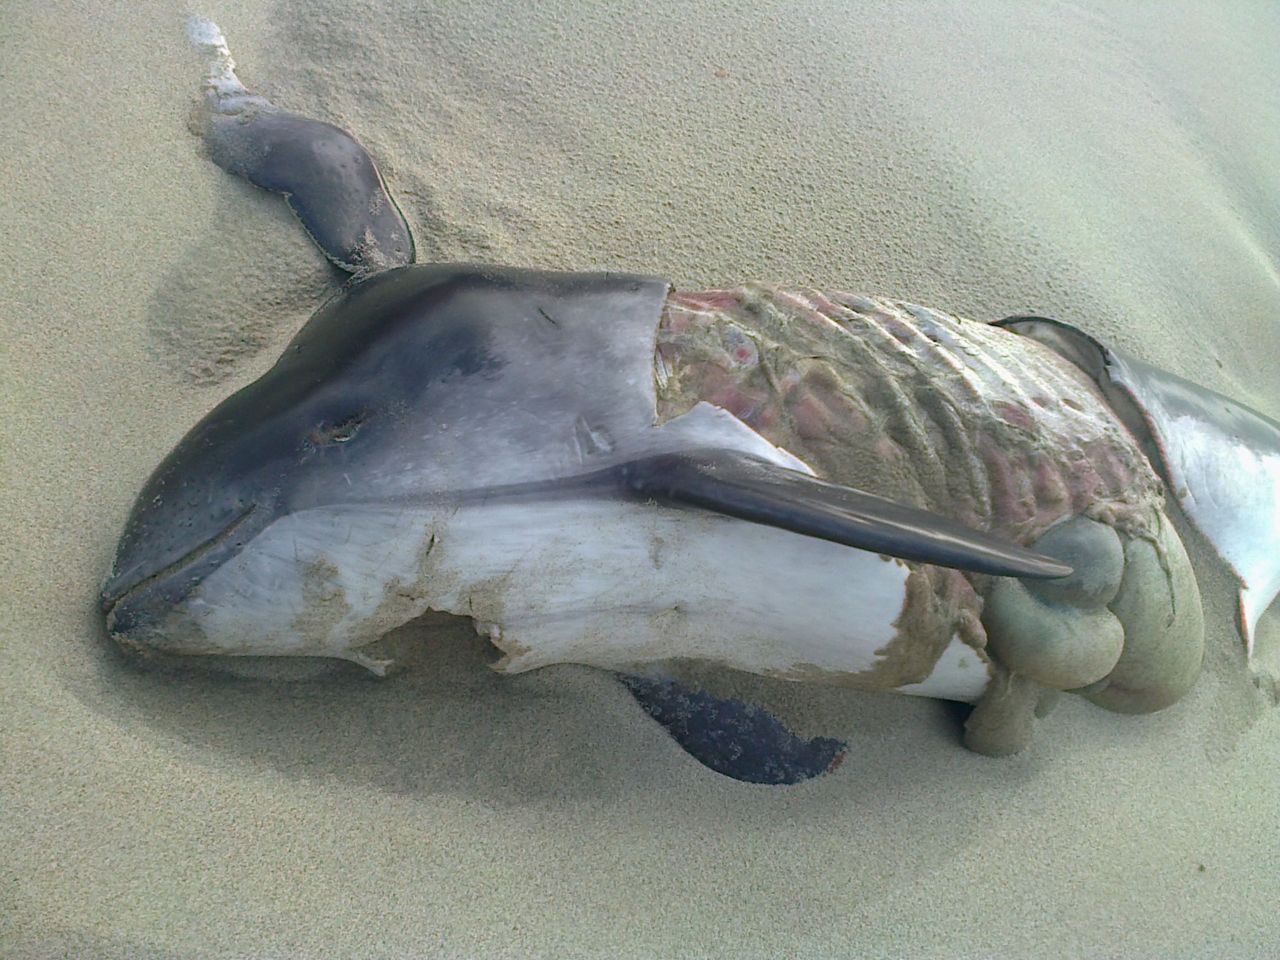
pixel 122 586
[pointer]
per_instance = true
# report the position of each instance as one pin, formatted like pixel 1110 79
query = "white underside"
pixel 960 674
pixel 599 582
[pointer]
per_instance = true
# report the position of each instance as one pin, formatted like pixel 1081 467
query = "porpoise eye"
pixel 339 431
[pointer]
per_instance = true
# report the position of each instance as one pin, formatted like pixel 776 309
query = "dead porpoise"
pixel 596 469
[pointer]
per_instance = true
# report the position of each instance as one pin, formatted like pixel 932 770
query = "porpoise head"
pixel 316 486
pixel 333 423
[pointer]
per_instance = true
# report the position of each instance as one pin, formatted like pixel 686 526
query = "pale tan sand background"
pixel 1114 165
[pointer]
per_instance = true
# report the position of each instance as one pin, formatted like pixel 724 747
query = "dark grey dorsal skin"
pixel 327 177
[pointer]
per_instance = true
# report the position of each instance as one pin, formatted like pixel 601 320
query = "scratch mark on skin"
pixel 549 318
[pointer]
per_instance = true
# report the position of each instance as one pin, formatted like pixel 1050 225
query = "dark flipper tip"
pixel 739 740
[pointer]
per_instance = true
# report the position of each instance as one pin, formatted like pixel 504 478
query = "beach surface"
pixel 1113 165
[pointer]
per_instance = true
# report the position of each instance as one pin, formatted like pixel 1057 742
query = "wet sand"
pixel 1087 161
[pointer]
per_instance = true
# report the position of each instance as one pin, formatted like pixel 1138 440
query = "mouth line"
pixel 200 550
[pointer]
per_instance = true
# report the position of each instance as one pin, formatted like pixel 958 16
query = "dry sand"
pixel 1114 165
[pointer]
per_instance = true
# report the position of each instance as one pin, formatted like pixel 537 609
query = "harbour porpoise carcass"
pixel 597 469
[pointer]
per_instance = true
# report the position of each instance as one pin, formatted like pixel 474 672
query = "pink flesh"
pixel 968 420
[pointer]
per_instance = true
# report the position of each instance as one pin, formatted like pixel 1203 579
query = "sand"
pixel 1110 164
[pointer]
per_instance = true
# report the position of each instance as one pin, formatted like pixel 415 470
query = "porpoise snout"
pixel 164 554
